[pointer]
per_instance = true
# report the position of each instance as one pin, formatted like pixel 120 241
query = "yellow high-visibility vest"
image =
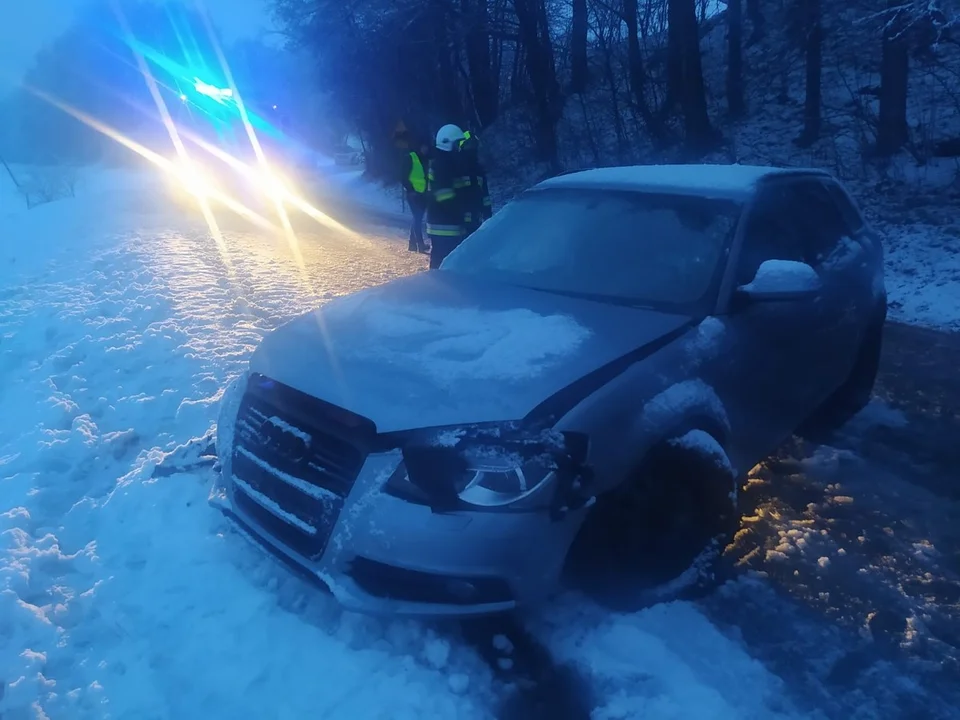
pixel 418 179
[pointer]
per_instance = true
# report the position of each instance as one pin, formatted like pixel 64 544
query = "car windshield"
pixel 629 247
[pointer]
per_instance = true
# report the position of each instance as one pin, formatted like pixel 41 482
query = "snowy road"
pixel 126 596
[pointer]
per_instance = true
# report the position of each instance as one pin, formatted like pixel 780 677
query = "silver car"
pixel 576 393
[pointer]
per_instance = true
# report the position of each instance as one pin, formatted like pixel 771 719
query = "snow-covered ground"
pixel 361 191
pixel 124 595
pixel 923 275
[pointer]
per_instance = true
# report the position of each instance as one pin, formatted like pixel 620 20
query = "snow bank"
pixel 103 202
pixel 665 662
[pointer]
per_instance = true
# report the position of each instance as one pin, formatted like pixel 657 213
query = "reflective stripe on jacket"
pixel 444 230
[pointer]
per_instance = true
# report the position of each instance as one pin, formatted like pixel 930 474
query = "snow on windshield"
pixel 456 344
pixel 641 247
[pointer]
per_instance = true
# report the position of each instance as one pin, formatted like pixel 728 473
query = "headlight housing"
pixel 496 467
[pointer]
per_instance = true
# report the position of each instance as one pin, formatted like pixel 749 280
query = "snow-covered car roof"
pixel 727 181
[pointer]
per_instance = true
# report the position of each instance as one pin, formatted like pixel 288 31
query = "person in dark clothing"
pixel 415 185
pixel 445 208
pixel 477 205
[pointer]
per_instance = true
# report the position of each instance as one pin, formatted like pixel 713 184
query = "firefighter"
pixel 473 181
pixel 415 185
pixel 445 207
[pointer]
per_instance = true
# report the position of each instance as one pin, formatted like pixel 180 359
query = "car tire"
pixel 659 535
pixel 855 393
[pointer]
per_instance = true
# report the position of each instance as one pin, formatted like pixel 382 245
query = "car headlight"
pixel 490 467
pixel 192 178
pixel 270 182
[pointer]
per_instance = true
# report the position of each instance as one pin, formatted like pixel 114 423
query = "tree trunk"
pixel 533 31
pixel 579 72
pixel 757 21
pixel 675 69
pixel 483 87
pixel 449 89
pixel 814 65
pixel 699 134
pixel 614 86
pixel 735 102
pixel 892 130
pixel 636 73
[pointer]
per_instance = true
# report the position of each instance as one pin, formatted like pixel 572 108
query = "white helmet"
pixel 449 137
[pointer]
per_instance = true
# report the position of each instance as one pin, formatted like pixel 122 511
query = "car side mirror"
pixel 781 280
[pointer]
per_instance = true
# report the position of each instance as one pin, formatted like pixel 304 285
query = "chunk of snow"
pixel 288 428
pixel 783 276
pixel 705 444
pixel 226 417
pixel 301 485
pixel 682 399
pixel 707 336
pixel 272 507
pixel 503 644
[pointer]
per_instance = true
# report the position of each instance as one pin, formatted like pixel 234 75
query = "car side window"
pixel 822 223
pixel 849 211
pixel 772 231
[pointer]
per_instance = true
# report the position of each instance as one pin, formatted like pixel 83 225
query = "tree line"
pixel 427 62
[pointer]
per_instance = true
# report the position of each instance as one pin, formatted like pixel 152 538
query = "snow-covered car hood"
pixel 438 349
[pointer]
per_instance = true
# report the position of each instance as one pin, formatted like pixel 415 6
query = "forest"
pixel 576 83
pixel 869 89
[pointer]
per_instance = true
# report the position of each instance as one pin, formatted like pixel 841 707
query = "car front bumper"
pixel 388 556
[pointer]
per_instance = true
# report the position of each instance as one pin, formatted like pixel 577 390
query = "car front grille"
pixel 295 460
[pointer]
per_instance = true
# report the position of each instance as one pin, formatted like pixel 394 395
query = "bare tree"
pixel 892 129
pixel 757 21
pixel 636 72
pixel 684 36
pixel 483 84
pixel 735 102
pixel 579 75
pixel 813 53
pixel 534 34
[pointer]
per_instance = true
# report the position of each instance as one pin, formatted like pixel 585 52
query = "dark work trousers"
pixel 441 246
pixel 418 206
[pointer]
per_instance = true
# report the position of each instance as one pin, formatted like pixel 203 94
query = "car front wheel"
pixel 659 535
